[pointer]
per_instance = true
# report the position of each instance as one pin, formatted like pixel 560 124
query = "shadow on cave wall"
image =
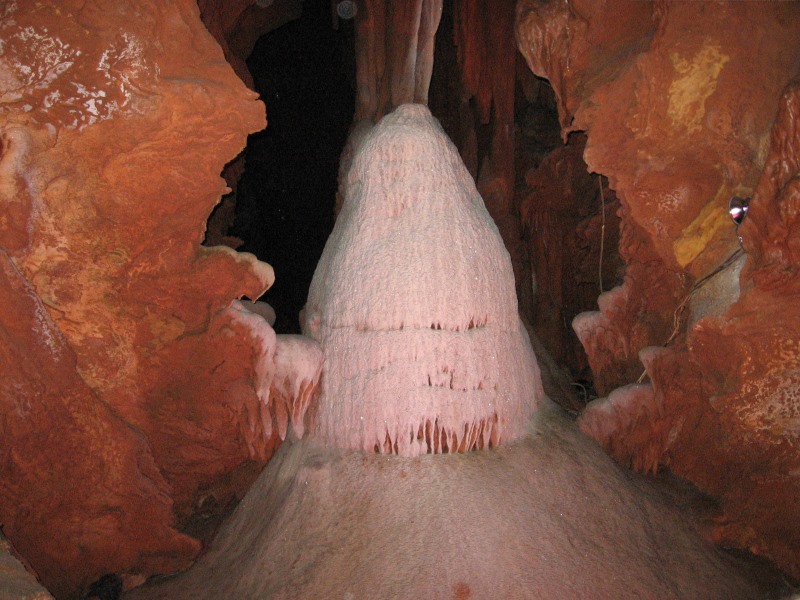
pixel 284 208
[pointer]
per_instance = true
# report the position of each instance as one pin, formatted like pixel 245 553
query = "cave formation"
pixel 142 395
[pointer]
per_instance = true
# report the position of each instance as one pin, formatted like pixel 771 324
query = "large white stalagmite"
pixel 414 306
pixel 415 284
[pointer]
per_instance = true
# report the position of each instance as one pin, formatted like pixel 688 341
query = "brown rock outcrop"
pixel 132 393
pixel 76 479
pixel 237 25
pixel 678 100
pixel 16 583
pixel 483 34
pixel 572 230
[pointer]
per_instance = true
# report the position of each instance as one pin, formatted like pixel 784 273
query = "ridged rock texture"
pixel 460 58
pixel 473 93
pixel 134 396
pixel 394 45
pixel 686 104
pixel 394 54
pixel 548 517
pixel 572 231
pixel 413 304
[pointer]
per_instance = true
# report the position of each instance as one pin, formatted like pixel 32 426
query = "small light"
pixel 737 209
pixel 346 9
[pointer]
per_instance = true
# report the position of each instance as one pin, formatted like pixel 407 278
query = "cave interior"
pixel 165 165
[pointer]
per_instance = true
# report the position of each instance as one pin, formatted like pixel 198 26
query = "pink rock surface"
pixel 413 304
pixel 473 94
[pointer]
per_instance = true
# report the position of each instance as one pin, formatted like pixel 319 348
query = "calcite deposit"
pixel 549 517
pixel 473 93
pixel 396 44
pixel 139 399
pixel 685 105
pixel 133 395
pixel 414 308
pixel 394 54
pixel 413 304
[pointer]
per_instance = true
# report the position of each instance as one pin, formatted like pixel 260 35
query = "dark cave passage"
pixel 284 206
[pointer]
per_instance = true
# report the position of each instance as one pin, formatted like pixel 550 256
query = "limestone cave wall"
pixel 684 105
pixel 130 388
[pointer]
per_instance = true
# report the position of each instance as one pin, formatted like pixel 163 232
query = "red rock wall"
pixel 678 101
pixel 127 396
pixel 237 24
pixel 483 35
pixel 394 54
pixel 569 224
pixel 17 581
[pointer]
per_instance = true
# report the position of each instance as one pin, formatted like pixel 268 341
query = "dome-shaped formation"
pixel 413 303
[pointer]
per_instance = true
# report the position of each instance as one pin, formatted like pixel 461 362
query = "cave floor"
pixel 549 517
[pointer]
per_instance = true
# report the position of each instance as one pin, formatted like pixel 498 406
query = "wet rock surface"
pixel 686 105
pixel 128 395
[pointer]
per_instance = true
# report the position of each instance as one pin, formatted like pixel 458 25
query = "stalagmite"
pixel 413 303
pixel 398 298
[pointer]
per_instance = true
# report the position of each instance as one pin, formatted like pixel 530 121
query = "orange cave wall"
pixel 685 105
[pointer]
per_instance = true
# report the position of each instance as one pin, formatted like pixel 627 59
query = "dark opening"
pixel 304 72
